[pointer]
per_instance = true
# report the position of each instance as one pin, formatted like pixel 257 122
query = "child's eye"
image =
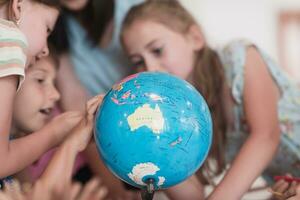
pixel 40 80
pixel 157 51
pixel 138 65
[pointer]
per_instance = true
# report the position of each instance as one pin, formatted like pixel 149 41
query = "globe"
pixel 153 125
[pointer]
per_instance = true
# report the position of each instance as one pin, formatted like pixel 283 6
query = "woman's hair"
pixel 209 78
pixel 94 17
pixel 54 3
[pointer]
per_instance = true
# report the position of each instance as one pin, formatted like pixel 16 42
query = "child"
pixel 30 20
pixel 55 183
pixel 240 83
pixel 40 96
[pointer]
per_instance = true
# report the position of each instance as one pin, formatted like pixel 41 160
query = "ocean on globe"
pixel 153 125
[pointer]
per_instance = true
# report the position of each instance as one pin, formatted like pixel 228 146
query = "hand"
pixel 283 190
pixel 297 196
pixel 60 126
pixel 82 133
pixel 12 191
pixel 93 190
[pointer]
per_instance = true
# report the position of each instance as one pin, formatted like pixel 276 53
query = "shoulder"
pixel 13 45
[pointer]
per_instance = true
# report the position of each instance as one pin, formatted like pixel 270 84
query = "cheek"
pixel 180 62
pixel 36 44
pixel 37 38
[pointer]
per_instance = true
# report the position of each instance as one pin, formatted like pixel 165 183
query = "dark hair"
pixel 53 54
pixel 208 76
pixel 53 3
pixel 59 38
pixel 94 17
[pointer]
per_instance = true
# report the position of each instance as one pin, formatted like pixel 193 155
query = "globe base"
pixel 148 192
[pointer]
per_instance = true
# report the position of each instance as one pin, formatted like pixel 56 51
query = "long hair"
pixel 209 77
pixel 94 17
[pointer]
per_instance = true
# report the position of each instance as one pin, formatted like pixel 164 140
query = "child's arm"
pixel 116 189
pixel 260 106
pixel 8 86
pixel 59 171
pixel 16 154
pixel 189 189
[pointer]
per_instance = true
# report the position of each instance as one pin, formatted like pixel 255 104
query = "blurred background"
pixel 274 25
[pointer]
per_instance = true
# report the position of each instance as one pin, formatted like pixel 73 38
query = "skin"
pixel 15 154
pixel 74 5
pixel 39 94
pixel 55 182
pixel 155 47
pixel 66 81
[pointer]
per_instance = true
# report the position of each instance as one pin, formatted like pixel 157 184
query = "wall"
pixel 256 20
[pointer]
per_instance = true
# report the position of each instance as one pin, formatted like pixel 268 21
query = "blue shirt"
pixel 99 68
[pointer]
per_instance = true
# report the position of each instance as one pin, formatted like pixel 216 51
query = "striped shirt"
pixel 13 45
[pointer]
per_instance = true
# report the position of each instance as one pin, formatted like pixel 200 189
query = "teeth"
pixel 46 111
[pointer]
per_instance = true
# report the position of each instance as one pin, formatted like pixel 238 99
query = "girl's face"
pixel 36 98
pixel 152 46
pixel 75 5
pixel 36 22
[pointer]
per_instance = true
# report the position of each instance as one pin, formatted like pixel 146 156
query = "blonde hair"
pixel 209 78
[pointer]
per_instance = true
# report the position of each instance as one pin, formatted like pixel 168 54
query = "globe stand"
pixel 148 192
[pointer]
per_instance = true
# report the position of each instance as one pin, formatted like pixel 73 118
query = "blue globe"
pixel 153 125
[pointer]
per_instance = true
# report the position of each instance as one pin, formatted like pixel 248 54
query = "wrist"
pixel 73 143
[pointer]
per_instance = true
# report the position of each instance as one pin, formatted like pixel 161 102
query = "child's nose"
pixel 44 52
pixel 54 95
pixel 152 65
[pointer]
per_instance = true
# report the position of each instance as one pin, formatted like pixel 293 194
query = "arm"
pixel 8 87
pixel 16 154
pixel 189 189
pixel 67 81
pixel 260 106
pixel 58 173
pixel 115 187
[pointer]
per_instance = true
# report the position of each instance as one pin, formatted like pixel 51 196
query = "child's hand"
pixel 61 125
pixel 297 196
pixel 283 190
pixel 82 133
pixel 93 190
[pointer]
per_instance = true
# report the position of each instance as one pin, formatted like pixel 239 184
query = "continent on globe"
pixel 147 116
pixel 142 170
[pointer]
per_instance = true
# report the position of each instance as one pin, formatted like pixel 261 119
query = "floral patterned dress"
pixel 287 159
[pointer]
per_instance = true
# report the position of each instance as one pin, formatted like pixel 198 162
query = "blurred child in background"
pixel 244 89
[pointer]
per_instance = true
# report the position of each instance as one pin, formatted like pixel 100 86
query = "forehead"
pixel 151 26
pixel 45 64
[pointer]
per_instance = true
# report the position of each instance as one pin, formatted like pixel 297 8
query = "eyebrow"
pixel 147 46
pixel 39 69
pixel 150 43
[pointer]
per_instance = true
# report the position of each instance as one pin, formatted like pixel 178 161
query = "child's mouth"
pixel 46 111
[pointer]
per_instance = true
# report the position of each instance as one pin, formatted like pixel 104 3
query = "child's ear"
pixel 196 37
pixel 15 10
